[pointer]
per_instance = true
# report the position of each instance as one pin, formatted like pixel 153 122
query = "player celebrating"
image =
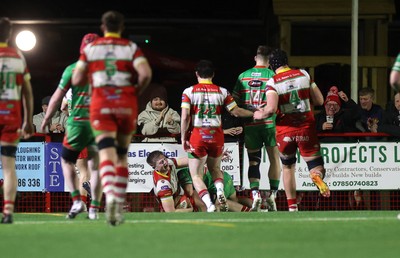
pixel 292 95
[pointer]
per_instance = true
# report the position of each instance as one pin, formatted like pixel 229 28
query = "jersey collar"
pixel 112 34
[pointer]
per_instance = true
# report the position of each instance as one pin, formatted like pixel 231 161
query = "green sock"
pixel 254 185
pixel 274 184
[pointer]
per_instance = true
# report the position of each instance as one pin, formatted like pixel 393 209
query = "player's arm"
pixel 395 80
pixel 316 95
pixel 79 76
pixel 185 121
pixel 54 103
pixel 270 108
pixel 27 102
pixel 144 74
pixel 182 162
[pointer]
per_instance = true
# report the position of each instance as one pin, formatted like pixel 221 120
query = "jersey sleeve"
pixel 163 189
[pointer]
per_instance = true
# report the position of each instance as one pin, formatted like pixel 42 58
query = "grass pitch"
pixel 246 235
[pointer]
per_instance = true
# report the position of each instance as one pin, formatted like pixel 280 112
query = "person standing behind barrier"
pixel 58 120
pixel 16 89
pixel 339 116
pixel 78 136
pixel 291 94
pixel 371 113
pixel 159 119
pixel 118 71
pixel 249 92
pixel 202 135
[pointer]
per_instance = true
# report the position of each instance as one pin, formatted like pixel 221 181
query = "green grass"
pixel 246 235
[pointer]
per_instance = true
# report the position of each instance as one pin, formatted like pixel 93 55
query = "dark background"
pixel 180 33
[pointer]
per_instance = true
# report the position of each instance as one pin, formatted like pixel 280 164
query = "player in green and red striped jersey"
pixel 78 136
pixel 249 92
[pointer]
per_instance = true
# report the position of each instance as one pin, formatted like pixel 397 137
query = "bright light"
pixel 25 40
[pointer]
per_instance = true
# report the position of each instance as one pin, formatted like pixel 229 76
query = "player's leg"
pixel 84 178
pixel 68 160
pixel 197 161
pixel 96 189
pixel 274 176
pixel 214 166
pixel 107 162
pixel 8 154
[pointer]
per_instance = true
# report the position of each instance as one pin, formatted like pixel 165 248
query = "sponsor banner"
pixel 53 171
pixel 29 164
pixel 353 166
pixel 140 173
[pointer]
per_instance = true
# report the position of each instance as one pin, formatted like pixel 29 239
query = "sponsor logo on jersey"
pixel 255 83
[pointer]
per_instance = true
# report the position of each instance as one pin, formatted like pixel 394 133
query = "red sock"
pixel 292 203
pixel 245 209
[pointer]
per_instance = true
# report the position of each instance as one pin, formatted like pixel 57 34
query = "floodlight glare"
pixel 25 40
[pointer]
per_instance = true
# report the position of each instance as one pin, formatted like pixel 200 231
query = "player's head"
pixel 278 58
pixel 5 29
pixel 112 21
pixel 205 69
pixel 263 53
pixel 88 38
pixel 157 160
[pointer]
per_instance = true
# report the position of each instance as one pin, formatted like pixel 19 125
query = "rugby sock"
pixel 121 182
pixel 274 184
pixel 107 175
pixel 205 196
pixel 84 198
pixel 75 195
pixel 219 184
pixel 8 207
pixel 95 204
pixel 292 204
pixel 245 209
pixel 254 185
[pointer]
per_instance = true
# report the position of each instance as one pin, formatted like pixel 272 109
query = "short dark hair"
pixel 264 50
pixel 152 158
pixel 366 91
pixel 205 69
pixel 5 29
pixel 113 20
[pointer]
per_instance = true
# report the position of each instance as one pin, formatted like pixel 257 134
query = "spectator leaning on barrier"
pixel 159 119
pixel 58 121
pixel 371 114
pixel 390 123
pixel 339 116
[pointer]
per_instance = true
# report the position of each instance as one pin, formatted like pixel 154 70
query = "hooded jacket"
pixel 147 121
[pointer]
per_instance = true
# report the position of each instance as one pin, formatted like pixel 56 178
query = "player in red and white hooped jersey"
pixel 292 94
pixel 15 88
pixel 117 71
pixel 168 184
pixel 201 130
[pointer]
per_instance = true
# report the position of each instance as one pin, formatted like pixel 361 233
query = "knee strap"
pixel 315 163
pixel 254 170
pixel 107 142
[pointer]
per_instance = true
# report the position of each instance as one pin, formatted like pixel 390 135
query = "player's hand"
pixel 258 115
pixel 230 131
pixel 187 147
pixel 27 130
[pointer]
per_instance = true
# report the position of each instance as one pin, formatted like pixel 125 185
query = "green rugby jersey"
pixel 249 92
pixel 78 97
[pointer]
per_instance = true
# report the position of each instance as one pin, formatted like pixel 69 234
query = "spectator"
pixel 249 92
pixel 371 114
pixel 293 99
pixel 16 118
pixel 58 121
pixel 202 135
pixel 390 123
pixel 339 116
pixel 158 119
pixel 118 72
